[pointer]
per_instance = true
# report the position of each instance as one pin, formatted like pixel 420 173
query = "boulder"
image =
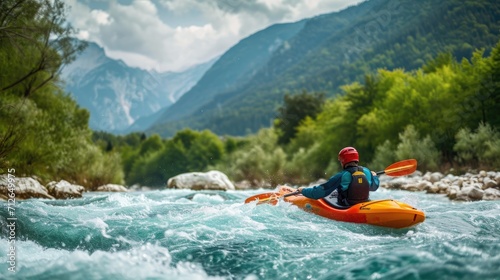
pixel 397 183
pixel 470 193
pixel 443 186
pixel 64 189
pixel 428 187
pixel 489 183
pixel 491 194
pixel 111 188
pixel 212 180
pixel 25 188
pixel 458 182
pixel 453 191
pixel 435 177
pixel 412 187
pixel 497 178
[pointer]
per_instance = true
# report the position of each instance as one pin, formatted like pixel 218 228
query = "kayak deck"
pixel 385 213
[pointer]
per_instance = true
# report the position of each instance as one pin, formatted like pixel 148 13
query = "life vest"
pixel 358 190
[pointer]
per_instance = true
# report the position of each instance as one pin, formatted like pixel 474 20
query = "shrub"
pixel 480 148
pixel 423 150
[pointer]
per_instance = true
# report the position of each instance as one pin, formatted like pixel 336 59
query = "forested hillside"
pixel 236 67
pixel 339 48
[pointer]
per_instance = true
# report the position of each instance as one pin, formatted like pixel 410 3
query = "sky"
pixel 173 35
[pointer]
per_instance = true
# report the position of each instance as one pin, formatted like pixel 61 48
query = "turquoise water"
pixel 182 234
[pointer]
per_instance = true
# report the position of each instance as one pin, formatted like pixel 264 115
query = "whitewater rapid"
pixel 183 234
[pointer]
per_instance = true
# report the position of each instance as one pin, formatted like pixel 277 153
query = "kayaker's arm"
pixel 372 179
pixel 322 190
pixel 375 183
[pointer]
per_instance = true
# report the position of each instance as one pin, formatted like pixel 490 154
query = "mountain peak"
pixel 118 95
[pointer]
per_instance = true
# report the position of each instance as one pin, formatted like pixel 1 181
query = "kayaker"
pixel 350 186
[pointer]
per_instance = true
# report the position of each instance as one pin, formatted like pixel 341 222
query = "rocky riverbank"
pixel 27 187
pixel 483 185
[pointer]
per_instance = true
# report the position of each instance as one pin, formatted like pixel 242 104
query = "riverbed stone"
pixel 428 187
pixel 489 183
pixel 112 188
pixel 491 194
pixel 63 189
pixel 435 177
pixel 470 193
pixel 497 178
pixel 453 191
pixel 212 180
pixel 412 187
pixel 25 187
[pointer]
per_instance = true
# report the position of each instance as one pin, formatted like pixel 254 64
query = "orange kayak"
pixel 385 213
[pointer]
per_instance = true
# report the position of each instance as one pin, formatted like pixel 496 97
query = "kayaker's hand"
pixel 300 189
pixel 374 173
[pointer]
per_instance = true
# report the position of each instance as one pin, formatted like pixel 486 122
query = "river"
pixel 184 234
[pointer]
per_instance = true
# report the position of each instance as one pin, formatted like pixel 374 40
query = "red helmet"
pixel 347 155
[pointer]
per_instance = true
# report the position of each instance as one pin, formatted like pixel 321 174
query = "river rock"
pixel 25 187
pixel 435 177
pixel 112 188
pixel 64 189
pixel 470 193
pixel 453 191
pixel 497 178
pixel 212 180
pixel 491 194
pixel 430 187
pixel 469 186
pixel 489 183
pixel 412 187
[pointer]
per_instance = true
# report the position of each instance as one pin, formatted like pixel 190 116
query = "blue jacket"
pixel 339 181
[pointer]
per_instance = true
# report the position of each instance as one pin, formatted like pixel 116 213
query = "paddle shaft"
pixel 292 193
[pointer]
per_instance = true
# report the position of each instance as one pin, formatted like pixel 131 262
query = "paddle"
pixel 400 168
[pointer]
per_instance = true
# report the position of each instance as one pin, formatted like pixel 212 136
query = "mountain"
pixel 235 67
pixel 328 51
pixel 122 98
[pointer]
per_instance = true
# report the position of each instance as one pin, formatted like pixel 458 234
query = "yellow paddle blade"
pixel 401 168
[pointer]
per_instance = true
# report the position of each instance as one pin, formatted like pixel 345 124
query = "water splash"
pixel 182 234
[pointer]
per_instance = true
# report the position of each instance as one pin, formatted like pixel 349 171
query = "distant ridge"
pixel 117 95
pixel 237 97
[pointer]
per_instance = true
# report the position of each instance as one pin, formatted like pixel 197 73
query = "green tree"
pixel 35 41
pixel 294 109
pixel 187 151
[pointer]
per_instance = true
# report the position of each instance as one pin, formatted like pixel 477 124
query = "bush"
pixel 410 146
pixel 261 160
pixel 480 148
pixel 384 156
pixel 423 150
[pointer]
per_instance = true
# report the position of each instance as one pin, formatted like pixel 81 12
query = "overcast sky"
pixel 172 35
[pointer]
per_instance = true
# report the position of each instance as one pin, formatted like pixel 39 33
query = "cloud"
pixel 176 34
